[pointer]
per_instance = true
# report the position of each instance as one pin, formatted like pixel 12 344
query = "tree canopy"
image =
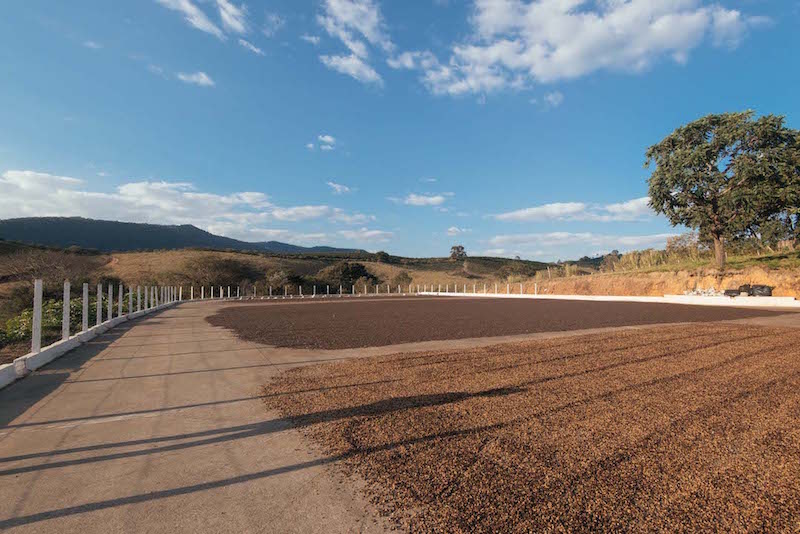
pixel 457 252
pixel 727 175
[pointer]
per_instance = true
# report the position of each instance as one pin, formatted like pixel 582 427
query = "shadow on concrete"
pixel 256 429
pixel 20 396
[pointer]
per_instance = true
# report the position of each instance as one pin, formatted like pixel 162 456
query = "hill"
pixel 65 232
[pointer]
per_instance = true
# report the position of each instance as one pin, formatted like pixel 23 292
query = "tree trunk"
pixel 719 252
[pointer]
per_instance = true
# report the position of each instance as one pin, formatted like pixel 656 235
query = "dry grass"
pixel 666 429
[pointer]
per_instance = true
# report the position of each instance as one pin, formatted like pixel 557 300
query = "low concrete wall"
pixel 23 365
pixel 745 302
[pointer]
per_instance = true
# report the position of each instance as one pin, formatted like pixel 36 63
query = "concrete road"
pixel 159 426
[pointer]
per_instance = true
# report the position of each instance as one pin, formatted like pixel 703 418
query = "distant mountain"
pixel 121 236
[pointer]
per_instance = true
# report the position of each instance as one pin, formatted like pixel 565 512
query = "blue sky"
pixel 513 127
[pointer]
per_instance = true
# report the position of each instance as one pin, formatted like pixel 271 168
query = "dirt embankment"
pixel 786 282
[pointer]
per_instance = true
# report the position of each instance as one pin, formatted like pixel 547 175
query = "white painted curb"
pixel 11 372
pixel 743 302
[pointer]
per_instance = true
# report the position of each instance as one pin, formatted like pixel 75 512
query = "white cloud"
pixel 194 16
pixel 326 147
pixel 313 39
pixel 300 213
pixel 424 200
pixel 554 99
pixel 340 216
pixel 514 43
pixel 197 78
pixel 250 46
pixel 234 18
pixel 93 45
pixel 310 146
pixel 455 230
pixel 338 189
pixel 556 210
pixel 241 215
pixel 327 139
pixel 366 235
pixel 353 66
pixel 273 24
pixel 357 24
pixel 631 210
pixel 344 19
pixel 540 244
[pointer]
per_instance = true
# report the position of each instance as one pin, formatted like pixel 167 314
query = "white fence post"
pixel 508 289
pixel 191 293
pixel 202 292
pixel 85 303
pixel 138 298
pixel 36 333
pixel 110 302
pixel 65 312
pixel 520 288
pixel 130 300
pixel 495 289
pixel 99 304
pixel 119 302
pixel 180 293
pixel 229 291
pixel 238 290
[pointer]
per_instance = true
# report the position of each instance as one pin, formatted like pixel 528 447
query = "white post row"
pixel 65 313
pixel 36 334
pixel 85 316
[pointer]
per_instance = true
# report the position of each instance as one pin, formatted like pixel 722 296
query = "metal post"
pixel 85 317
pixel 65 312
pixel 99 304
pixel 36 333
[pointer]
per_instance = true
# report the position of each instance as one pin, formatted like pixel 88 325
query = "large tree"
pixel 725 175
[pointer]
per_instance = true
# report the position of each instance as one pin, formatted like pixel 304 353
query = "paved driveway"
pixel 159 426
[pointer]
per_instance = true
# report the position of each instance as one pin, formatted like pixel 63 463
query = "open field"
pixel 665 429
pixel 367 322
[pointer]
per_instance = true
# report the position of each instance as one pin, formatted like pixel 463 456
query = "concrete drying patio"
pixel 159 426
